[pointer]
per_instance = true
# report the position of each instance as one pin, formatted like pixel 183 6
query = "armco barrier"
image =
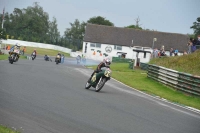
pixel 144 66
pixel 37 45
pixel 120 60
pixel 181 81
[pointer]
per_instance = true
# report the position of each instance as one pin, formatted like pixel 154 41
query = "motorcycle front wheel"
pixel 11 59
pixel 87 85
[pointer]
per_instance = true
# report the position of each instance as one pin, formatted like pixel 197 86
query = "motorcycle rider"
pixel 59 55
pixel 46 58
pixel 15 47
pixel 34 53
pixel 105 63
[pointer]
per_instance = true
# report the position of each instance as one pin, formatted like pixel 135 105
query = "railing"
pixel 177 80
pixel 144 66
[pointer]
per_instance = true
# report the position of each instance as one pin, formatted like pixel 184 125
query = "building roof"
pixel 124 36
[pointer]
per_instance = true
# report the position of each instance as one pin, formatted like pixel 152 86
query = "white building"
pixel 100 41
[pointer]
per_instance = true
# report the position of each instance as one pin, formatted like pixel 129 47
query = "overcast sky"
pixel 175 16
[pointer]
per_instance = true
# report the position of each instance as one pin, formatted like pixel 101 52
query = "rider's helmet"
pixel 107 62
pixel 17 45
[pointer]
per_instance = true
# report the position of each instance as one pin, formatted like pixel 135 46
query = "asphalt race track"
pixel 42 97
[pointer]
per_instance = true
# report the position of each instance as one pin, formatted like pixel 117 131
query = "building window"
pixel 92 45
pixel 116 47
pixel 97 45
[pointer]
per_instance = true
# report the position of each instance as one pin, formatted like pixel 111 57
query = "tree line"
pixel 33 24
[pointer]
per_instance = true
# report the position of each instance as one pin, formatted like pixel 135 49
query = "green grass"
pixel 4 129
pixel 42 51
pixel 138 79
pixel 187 63
pixel 5 57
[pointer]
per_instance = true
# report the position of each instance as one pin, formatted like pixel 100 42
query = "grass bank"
pixel 42 51
pixel 4 129
pixel 138 79
pixel 187 63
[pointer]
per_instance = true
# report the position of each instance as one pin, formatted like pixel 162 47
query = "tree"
pixel 2 34
pixel 53 33
pixel 74 35
pixel 134 27
pixel 29 24
pixel 196 27
pixel 100 21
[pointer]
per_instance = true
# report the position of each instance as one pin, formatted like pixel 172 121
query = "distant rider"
pixel 105 63
pixel 78 59
pixel 59 55
pixel 46 58
pixel 34 53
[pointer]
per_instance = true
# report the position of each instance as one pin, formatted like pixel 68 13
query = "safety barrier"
pixel 37 45
pixel 120 60
pixel 144 66
pixel 177 80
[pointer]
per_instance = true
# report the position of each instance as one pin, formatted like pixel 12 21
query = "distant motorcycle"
pixel 14 56
pixel 99 79
pixel 57 59
pixel 46 58
pixel 33 55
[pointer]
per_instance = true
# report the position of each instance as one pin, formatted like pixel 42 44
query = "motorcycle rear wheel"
pixel 100 84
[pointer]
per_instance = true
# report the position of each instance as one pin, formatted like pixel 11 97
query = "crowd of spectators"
pixel 193 45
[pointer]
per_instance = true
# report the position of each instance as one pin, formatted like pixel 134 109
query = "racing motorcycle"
pixel 33 55
pixel 57 59
pixel 99 79
pixel 14 56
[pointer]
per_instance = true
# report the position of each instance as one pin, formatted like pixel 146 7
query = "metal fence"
pixel 177 80
pixel 144 66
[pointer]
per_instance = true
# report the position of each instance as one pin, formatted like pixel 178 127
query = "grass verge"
pixel 4 129
pixel 138 79
pixel 5 57
pixel 42 51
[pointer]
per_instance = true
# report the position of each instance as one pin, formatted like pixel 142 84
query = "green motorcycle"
pixel 99 79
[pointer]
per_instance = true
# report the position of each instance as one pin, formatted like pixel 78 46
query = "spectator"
pixel 24 50
pixel 155 53
pixel 194 41
pixel 62 58
pixel 162 48
pixel 189 47
pixel 185 53
pixel 171 52
pixel 8 47
pixel 84 60
pixel 198 42
pixel 176 52
pixel 162 52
